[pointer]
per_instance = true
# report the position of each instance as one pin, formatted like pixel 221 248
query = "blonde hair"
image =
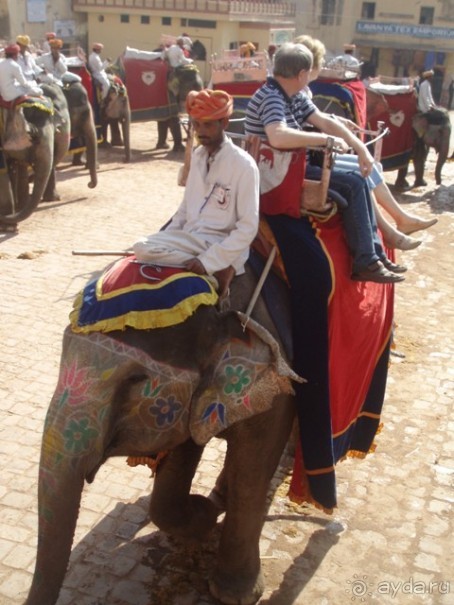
pixel 316 47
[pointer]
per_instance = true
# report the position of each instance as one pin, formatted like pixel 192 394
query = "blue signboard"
pixel 398 29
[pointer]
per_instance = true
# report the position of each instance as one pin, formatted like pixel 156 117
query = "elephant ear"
pixel 247 373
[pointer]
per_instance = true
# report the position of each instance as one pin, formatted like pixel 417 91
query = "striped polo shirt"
pixel 270 105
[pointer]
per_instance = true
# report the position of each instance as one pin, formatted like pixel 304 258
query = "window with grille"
pixel 426 16
pixel 368 10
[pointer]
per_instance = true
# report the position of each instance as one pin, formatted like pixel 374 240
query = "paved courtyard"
pixel 390 541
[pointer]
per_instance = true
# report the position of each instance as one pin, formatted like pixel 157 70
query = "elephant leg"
pixel 50 193
pixel 163 128
pixel 77 159
pixel 443 151
pixel 401 181
pixel 173 509
pixel 115 134
pixel 245 483
pixel 420 152
pixel 91 148
pixel 175 129
pixel 126 129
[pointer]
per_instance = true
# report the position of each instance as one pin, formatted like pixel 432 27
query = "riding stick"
pixel 102 252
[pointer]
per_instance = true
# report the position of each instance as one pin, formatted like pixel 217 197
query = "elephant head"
pixel 45 125
pixel 184 79
pixel 83 125
pixel 138 393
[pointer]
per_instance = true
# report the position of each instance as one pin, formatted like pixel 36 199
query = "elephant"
pixel 101 408
pixel 47 144
pixel 83 125
pixel 116 112
pixel 427 135
pixel 411 133
pixel 180 82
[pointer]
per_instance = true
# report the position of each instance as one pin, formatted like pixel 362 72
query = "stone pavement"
pixel 391 539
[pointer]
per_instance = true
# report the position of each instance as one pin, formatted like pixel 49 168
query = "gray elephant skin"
pixel 426 136
pixel 102 407
pixel 83 125
pixel 50 140
pixel 116 115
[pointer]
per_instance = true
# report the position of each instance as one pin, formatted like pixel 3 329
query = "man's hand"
pixel 195 266
pixel 340 145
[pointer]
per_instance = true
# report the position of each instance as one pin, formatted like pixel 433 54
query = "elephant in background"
pixel 116 114
pixel 180 82
pixel 427 135
pixel 139 392
pixel 83 125
pixel 48 141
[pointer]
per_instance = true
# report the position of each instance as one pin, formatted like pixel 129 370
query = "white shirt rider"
pixel 13 83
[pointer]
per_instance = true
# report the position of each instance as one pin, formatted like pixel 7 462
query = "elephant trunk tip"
pixel 92 184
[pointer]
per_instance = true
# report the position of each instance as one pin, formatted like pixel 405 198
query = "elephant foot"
pixel 420 183
pixel 77 161
pixel 162 145
pixel 402 184
pixel 9 228
pixel 178 149
pixel 192 522
pixel 235 590
pixel 51 197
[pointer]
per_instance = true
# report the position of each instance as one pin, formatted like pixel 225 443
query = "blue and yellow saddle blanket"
pixel 133 294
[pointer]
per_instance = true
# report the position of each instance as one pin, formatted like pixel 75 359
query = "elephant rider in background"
pixel 279 111
pixel 347 60
pixel 175 55
pixel 426 102
pixel 46 46
pixel 98 68
pixel 247 50
pixel 13 83
pixel 213 228
pixel 53 63
pixel 28 65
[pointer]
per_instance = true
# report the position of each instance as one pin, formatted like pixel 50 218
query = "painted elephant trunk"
pixel 55 543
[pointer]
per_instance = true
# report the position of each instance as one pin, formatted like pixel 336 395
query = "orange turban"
pixel 208 105
pixel 55 43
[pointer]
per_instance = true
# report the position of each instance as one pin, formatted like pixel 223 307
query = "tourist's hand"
pixel 340 145
pixel 195 266
pixel 365 161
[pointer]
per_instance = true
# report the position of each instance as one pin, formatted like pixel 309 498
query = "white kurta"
pixel 218 217
pixel 56 69
pixel 347 60
pixel 425 98
pixel 28 65
pixel 98 71
pixel 13 83
pixel 175 56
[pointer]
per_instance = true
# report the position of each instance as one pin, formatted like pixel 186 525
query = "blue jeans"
pixel 349 163
pixel 358 218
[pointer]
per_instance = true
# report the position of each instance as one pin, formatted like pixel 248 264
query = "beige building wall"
pixel 396 42
pixel 40 16
pixel 116 36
